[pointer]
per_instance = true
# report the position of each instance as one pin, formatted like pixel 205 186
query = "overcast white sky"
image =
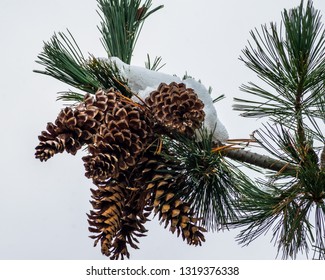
pixel 43 206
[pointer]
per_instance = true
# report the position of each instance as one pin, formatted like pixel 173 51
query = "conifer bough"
pixel 155 144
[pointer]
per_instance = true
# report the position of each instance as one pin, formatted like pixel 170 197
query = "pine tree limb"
pixel 259 160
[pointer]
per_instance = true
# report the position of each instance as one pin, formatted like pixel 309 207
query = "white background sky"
pixel 43 206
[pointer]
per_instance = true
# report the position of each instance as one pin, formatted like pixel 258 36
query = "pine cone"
pixel 72 129
pixel 105 220
pixel 49 144
pixel 132 225
pixel 165 199
pixel 135 213
pixel 120 213
pixel 63 135
pixel 125 125
pixel 120 140
pixel 177 213
pixel 176 108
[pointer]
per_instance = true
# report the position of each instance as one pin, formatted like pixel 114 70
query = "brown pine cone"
pixel 132 225
pixel 120 213
pixel 171 209
pixel 73 128
pixel 176 108
pixel 63 135
pixel 105 220
pixel 49 146
pixel 121 139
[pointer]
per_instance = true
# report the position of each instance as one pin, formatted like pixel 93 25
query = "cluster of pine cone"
pixel 132 179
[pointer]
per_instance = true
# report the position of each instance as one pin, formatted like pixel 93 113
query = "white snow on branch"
pixel 143 81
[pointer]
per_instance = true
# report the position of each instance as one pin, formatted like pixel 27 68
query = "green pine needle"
pixel 219 98
pixel 286 207
pixel 210 187
pixel 64 61
pixel 121 24
pixel 108 75
pixel 70 96
pixel 155 65
pixel 289 59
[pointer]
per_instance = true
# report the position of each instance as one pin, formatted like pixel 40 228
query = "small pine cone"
pixel 68 131
pixel 176 108
pixel 74 127
pixel 105 220
pixel 48 148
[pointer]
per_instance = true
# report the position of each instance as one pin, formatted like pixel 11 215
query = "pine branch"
pixel 290 60
pixel 259 160
pixel 63 60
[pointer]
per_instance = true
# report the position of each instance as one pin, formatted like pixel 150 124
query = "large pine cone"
pixel 164 187
pixel 176 108
pixel 120 140
pixel 135 215
pixel 105 220
pixel 121 210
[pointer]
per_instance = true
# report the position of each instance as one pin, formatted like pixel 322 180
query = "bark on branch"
pixel 263 161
